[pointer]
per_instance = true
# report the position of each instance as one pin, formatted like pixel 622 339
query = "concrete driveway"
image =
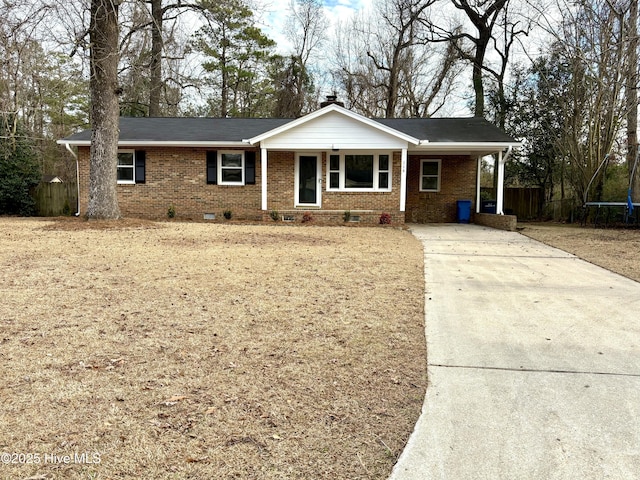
pixel 533 363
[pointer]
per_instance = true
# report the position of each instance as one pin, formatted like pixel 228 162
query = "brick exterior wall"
pixel 457 182
pixel 177 177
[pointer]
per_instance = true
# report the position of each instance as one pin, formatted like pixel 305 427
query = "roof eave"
pixel 155 143
pixel 480 147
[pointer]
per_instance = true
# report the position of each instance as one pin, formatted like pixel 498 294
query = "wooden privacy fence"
pixel 523 202
pixel 54 199
pixel 565 210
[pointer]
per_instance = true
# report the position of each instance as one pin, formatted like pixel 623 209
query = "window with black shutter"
pixel 212 167
pixel 232 167
pixel 250 168
pixel 141 161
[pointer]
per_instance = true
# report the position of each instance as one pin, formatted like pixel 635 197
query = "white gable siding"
pixel 333 129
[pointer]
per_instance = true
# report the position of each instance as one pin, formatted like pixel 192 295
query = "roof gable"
pixel 334 126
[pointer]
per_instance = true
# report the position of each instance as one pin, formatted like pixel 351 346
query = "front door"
pixel 308 179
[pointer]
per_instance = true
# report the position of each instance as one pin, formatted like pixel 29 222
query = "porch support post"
pixel 263 176
pixel 478 175
pixel 403 180
pixel 500 185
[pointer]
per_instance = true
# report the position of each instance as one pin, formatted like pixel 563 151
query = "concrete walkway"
pixel 533 363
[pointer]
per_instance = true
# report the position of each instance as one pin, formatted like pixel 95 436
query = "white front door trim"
pixel 317 182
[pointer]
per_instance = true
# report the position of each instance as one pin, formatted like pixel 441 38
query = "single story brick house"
pixel 327 163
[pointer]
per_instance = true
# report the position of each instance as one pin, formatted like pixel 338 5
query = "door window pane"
pixel 307 179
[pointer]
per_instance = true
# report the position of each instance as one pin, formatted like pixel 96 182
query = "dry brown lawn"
pixel 191 350
pixel 617 250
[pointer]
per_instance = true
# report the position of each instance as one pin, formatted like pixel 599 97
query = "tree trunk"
pixel 103 200
pixel 478 62
pixel 224 84
pixel 632 100
pixel 155 79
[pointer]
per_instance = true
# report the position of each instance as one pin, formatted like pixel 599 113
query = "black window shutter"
pixel 250 168
pixel 141 165
pixel 212 167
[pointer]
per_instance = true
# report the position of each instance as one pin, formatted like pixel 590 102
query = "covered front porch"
pixel 339 162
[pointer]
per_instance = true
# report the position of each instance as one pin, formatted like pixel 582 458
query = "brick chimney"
pixel 331 99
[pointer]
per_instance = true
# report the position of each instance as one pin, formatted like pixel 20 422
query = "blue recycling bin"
pixel 464 211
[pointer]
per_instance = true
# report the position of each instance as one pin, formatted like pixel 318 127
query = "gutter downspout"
pixel 68 147
pixel 508 154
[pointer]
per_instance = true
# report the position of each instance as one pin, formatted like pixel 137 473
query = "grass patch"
pixel 189 350
pixel 614 249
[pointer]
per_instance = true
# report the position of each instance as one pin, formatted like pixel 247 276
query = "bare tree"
pixel 103 85
pixel 402 18
pixel 305 28
pixel 483 15
pixel 510 30
pixel 631 89
pixel 160 14
pixel 151 53
pixel 591 41
pixel 402 73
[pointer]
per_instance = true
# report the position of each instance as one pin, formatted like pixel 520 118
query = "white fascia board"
pixel 148 143
pixel 328 109
pixel 489 147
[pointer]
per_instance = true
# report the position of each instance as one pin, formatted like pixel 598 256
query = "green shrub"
pixel 19 169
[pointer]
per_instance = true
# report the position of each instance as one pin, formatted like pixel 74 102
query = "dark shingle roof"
pixel 474 129
pixel 144 129
pixel 189 129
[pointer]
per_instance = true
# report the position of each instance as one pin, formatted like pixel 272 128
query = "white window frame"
pixel 132 167
pixel 221 168
pixel 378 171
pixel 439 175
pixel 342 172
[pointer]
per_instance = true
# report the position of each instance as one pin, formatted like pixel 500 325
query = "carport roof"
pixel 446 130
